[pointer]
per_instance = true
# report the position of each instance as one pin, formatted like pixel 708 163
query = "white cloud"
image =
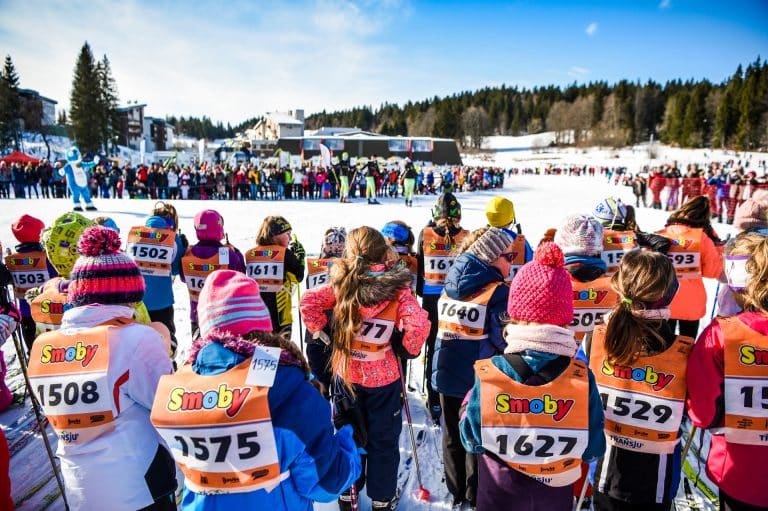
pixel 665 4
pixel 228 62
pixel 591 29
pixel 578 71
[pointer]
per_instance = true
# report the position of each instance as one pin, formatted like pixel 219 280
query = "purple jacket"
pixel 205 249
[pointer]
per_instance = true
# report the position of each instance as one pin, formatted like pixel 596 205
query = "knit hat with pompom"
pixel 541 292
pixel 103 274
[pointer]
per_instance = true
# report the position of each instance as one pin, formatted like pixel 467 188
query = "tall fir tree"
pixel 10 106
pixel 108 120
pixel 85 100
pixel 747 113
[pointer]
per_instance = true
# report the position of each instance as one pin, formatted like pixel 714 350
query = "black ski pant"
pixel 688 328
pixel 28 331
pixel 429 304
pixel 165 316
pixel 460 466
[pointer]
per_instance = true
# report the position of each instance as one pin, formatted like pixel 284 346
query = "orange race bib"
pixel 685 253
pixel 438 257
pixel 318 272
pixel 219 430
pixel 152 249
pixel 464 319
pixel 541 431
pixel 591 301
pixel 410 262
pixel 69 376
pixel 196 269
pixel 48 308
pixel 372 343
pixel 266 265
pixel 28 270
pixel 615 245
pixel 643 402
pixel 746 383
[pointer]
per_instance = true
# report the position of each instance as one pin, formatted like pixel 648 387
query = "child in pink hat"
pixel 531 449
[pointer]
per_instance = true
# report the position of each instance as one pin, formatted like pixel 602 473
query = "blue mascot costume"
pixel 78 176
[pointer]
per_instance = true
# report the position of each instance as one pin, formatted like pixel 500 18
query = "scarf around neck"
pixel 546 338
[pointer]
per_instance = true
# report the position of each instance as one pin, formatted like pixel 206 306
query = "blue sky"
pixel 237 59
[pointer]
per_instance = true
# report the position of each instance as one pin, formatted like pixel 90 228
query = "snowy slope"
pixel 540 202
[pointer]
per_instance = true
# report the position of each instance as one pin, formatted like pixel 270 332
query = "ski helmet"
pixel 60 241
pixel 610 211
pixel 446 207
pixel 333 242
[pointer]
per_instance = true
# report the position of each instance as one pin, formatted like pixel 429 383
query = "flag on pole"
pixel 325 155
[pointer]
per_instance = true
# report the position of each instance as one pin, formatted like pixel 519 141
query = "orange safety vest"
pixel 152 249
pixel 746 383
pixel 372 343
pixel 615 245
pixel 48 308
pixel 219 430
pixel 28 269
pixel 69 374
pixel 318 271
pixel 685 253
pixel 437 255
pixel 541 431
pixel 643 402
pixel 591 301
pixel 518 249
pixel 266 265
pixel 196 269
pixel 464 319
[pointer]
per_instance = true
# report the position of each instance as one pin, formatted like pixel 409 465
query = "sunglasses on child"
pixel 509 256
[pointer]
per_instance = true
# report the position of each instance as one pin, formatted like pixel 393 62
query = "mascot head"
pixel 60 240
pixel 73 155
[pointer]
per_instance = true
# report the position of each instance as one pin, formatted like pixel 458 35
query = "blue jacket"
pixel 319 464
pixel 159 290
pixel 453 363
pixel 470 423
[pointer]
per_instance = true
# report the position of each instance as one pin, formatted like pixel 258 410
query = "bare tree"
pixel 476 124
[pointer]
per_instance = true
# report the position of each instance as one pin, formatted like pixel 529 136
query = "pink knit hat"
pixel 752 214
pixel 209 226
pixel 541 292
pixel 230 302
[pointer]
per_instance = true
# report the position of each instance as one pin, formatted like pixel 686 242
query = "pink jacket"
pixel 411 319
pixel 738 469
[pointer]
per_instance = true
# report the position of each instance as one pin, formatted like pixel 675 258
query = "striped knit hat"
pixel 103 274
pixel 230 302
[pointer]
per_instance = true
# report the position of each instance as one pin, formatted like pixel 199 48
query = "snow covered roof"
pixel 284 118
pixel 330 131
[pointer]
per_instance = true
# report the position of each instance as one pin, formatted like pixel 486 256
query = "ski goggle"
pixel 736 271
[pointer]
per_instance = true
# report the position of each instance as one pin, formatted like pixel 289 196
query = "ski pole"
pixel 582 495
pixel 298 309
pixel 422 493
pixel 353 495
pixel 39 417
pixel 688 444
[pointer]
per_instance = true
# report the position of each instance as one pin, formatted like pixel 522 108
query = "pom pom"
pixel 549 254
pixel 97 241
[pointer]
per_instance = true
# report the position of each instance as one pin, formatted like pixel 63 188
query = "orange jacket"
pixel 690 302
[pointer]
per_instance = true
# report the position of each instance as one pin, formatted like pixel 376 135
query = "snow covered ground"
pixel 540 202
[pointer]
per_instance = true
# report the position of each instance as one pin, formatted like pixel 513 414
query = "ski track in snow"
pixel 540 202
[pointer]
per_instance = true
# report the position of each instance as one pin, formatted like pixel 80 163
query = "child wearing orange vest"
pixel 727 382
pixel 277 264
pixel 376 320
pixel 400 236
pixel 534 413
pixel 640 368
pixel 696 252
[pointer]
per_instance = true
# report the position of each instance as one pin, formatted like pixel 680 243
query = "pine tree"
pixel 747 111
pixel 61 120
pixel 108 120
pixel 85 101
pixel 10 106
pixel 692 131
pixel 446 124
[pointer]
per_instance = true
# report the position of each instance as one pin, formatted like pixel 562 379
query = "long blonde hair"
pixel 364 246
pixel 644 277
pixel 755 296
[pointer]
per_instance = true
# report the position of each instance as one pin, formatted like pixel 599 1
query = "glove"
pixel 33 293
pixel 298 249
pixel 184 242
pixel 347 413
pixel 322 336
pixel 655 242
pixel 396 341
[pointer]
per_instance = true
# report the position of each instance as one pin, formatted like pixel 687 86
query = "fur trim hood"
pixel 379 284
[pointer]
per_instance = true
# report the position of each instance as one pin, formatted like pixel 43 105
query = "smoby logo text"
pixel 264 253
pixel 24 261
pixel 749 355
pixel 590 295
pixel 656 379
pixel 681 242
pixel 48 306
pixel 557 408
pixel 188 401
pixel 202 267
pixel 438 245
pixel 151 235
pixel 619 240
pixel 80 352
